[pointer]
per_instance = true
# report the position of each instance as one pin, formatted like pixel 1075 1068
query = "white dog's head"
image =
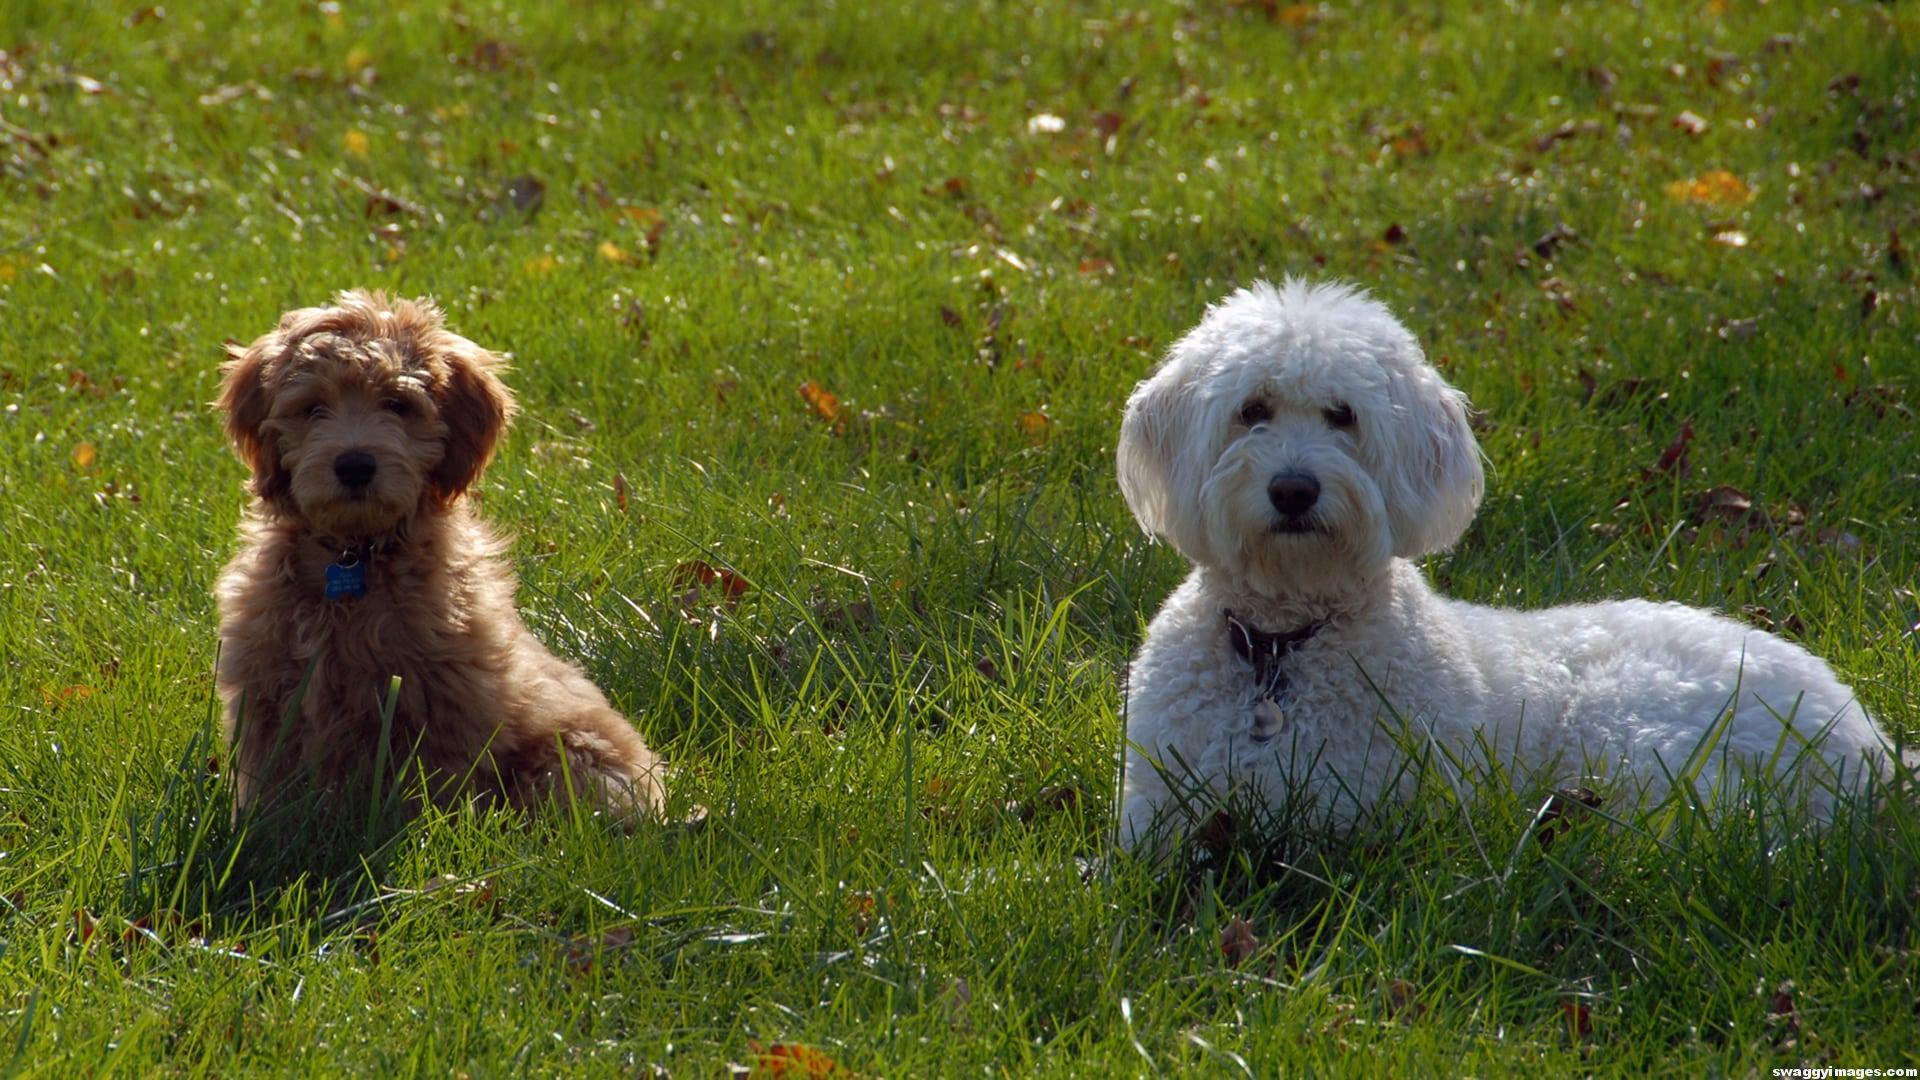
pixel 1298 439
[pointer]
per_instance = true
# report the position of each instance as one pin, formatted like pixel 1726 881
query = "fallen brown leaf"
pixel 527 193
pixel 796 1060
pixel 1674 458
pixel 1237 941
pixel 1578 1019
pixel 1725 504
pixel 1297 15
pixel 1564 807
pixel 860 911
pixel 824 403
pixel 1403 1001
pixel 694 574
pixel 584 952
pixel 1717 187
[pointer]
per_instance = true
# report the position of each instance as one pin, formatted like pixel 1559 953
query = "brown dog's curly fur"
pixel 485 710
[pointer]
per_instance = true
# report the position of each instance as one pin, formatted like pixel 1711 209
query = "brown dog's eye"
pixel 398 407
pixel 1255 412
pixel 1339 416
pixel 317 412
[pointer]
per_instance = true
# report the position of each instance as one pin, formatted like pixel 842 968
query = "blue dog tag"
pixel 347 579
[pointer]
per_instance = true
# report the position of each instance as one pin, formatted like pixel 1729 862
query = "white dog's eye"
pixel 1340 416
pixel 1255 412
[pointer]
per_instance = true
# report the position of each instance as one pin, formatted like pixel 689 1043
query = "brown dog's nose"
pixel 354 468
pixel 1293 493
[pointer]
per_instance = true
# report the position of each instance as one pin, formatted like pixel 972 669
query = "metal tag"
pixel 347 579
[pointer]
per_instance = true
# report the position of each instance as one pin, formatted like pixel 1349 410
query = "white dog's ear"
pixel 1150 436
pixel 1433 478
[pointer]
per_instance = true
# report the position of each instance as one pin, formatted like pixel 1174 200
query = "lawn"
pixel 841 302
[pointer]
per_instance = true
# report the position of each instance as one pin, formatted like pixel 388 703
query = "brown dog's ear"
pixel 247 400
pixel 475 406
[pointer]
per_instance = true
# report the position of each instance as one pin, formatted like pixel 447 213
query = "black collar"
pixel 1266 652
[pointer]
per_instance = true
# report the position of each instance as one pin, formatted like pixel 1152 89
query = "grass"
pixel 906 728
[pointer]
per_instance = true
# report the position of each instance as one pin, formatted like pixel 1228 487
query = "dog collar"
pixel 1265 651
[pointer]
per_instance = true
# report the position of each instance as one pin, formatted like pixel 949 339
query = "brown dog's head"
pixel 355 416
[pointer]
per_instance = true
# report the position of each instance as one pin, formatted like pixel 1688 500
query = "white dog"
pixel 1297 448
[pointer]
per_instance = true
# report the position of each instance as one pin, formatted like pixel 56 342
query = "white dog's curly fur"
pixel 1297 448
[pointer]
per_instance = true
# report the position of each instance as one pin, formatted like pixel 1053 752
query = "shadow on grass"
pixel 1575 891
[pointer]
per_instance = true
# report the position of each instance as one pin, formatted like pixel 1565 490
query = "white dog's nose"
pixel 1293 493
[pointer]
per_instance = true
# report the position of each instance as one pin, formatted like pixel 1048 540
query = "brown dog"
pixel 364 424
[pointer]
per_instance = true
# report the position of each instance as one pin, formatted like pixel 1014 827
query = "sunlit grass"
pixel 906 728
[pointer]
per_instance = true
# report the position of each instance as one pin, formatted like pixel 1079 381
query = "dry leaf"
pixel 477 894
pixel 1412 144
pixel 824 403
pixel 1034 425
pixel 1781 1004
pixel 1579 1021
pixel 797 1061
pixel 1096 265
pixel 694 574
pixel 1724 503
pixel 584 952
pixel 1563 808
pixel 1403 1001
pixel 528 193
pixel 620 490
pixel 53 699
pixel 613 253
pixel 957 1000
pixel 1237 941
pixel 151 927
pixel 860 911
pixel 1297 15
pixel 1550 241
pixel 358 57
pixel 540 265
pixel 355 142
pixel 491 55
pixel 83 456
pixel 1837 538
pixel 1716 187
pixel 1674 457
